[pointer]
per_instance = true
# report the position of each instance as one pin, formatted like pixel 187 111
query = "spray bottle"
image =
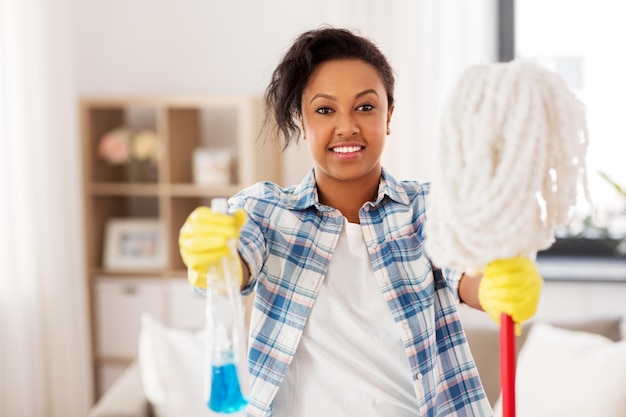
pixel 225 331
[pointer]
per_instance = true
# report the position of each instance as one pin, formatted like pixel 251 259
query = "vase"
pixel 141 171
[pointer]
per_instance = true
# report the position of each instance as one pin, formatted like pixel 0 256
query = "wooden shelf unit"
pixel 182 124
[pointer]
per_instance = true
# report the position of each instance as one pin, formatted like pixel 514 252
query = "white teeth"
pixel 347 149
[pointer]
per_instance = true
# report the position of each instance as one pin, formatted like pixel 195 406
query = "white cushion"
pixel 569 373
pixel 125 398
pixel 172 368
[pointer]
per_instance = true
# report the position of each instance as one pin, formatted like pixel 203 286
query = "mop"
pixel 509 161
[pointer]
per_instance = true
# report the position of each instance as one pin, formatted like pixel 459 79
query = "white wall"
pixel 188 46
pixel 209 46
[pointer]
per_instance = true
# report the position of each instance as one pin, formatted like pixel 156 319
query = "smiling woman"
pixel 344 295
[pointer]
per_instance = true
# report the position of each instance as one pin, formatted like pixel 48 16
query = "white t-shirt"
pixel 350 360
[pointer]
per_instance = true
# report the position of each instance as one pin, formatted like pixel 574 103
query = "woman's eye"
pixel 365 107
pixel 324 110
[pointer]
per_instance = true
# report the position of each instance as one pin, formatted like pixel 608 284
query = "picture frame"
pixel 134 244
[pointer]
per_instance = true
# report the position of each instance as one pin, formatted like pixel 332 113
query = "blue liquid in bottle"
pixel 225 328
pixel 225 390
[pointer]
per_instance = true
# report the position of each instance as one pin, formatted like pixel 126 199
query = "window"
pixel 583 41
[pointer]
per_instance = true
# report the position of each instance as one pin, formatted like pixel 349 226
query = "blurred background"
pixel 55 54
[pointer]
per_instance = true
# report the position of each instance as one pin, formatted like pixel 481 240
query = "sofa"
pixel 561 366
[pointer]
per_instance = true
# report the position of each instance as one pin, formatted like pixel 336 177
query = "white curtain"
pixel 433 42
pixel 44 349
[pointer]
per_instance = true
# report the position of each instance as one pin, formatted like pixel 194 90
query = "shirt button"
pixel 405 326
pixel 374 245
pixel 419 376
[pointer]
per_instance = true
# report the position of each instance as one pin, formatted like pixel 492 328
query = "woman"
pixel 350 317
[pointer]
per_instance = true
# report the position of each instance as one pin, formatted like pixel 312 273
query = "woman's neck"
pixel 348 196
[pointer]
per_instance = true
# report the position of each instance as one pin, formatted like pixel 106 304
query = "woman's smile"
pixel 347 150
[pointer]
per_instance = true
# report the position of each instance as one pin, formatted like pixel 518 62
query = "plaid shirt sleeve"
pixel 453 279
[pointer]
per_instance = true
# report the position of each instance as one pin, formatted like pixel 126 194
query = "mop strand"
pixel 510 156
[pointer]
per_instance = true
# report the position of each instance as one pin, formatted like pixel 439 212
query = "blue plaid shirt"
pixel 288 242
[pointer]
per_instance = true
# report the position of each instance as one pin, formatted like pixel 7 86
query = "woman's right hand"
pixel 203 240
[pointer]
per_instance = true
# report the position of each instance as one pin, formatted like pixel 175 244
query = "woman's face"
pixel 345 117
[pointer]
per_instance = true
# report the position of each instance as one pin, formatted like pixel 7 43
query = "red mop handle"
pixel 507 365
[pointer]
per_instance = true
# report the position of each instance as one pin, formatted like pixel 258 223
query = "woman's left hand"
pixel 511 286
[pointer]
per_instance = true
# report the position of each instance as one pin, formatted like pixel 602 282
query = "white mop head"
pixel 510 156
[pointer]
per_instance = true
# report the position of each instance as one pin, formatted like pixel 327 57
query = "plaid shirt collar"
pixel 305 194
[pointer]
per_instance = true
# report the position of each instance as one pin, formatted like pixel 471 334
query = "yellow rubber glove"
pixel 510 286
pixel 203 240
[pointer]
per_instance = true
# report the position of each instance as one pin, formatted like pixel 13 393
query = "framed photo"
pixel 134 244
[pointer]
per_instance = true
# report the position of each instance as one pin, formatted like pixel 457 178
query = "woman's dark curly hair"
pixel 283 96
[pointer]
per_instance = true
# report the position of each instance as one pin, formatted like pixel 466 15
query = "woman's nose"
pixel 346 126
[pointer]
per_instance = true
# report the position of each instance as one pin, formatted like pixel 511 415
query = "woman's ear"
pixel 389 113
pixel 301 121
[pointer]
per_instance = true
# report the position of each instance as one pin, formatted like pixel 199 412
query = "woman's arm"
pixel 468 290
pixel 245 272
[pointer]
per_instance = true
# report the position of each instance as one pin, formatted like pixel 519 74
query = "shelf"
pixel 114 360
pixel 147 274
pixel 118 298
pixel 117 189
pixel 192 190
pixel 173 190
pixel 176 274
pixel 582 268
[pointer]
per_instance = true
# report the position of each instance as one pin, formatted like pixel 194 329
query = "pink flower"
pixel 114 146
